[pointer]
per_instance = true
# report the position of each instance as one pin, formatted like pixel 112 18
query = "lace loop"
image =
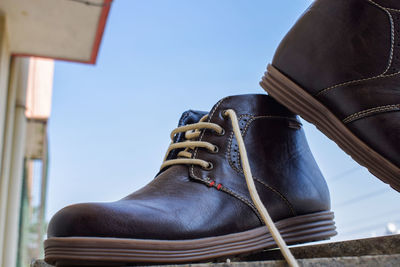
pixel 215 150
pixel 192 132
pixel 209 167
pixel 196 127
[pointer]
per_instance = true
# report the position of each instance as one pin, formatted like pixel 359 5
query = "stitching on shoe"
pixel 372 111
pixel 202 135
pixel 392 34
pixel 227 190
pixel 390 61
pixel 278 193
pixel 223 188
pixel 228 154
pixel 267 117
pixel 258 180
pixel 356 81
pixel 244 131
pixel 393 9
pixel 243 199
pixel 253 118
pixel 183 118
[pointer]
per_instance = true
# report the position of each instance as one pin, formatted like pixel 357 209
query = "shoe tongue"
pixel 188 117
pixel 251 104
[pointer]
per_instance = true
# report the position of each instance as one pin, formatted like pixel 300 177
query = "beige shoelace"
pixel 192 132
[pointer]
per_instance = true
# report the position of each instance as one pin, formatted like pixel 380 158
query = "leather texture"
pixel 389 3
pixel 346 53
pixel 188 202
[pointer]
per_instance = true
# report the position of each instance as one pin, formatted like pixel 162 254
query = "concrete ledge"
pixel 380 251
pixel 386 245
pixel 365 261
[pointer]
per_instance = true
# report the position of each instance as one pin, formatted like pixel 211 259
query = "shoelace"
pixel 193 131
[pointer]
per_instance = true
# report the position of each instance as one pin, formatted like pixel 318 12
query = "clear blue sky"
pixel 110 122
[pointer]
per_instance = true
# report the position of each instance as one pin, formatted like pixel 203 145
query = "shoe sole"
pixel 301 102
pixel 83 251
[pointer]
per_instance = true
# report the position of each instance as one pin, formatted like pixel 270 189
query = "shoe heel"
pixel 308 228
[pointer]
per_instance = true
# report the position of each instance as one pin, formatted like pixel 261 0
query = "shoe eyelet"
pixel 222 133
pixel 216 150
pixel 209 167
pixel 223 114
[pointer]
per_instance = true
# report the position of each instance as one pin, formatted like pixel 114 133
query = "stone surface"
pixel 39 263
pixel 385 245
pixel 365 261
pixel 380 251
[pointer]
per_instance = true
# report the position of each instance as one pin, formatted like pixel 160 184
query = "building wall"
pixel 4 74
pixel 74 32
pixel 15 136
pixel 13 84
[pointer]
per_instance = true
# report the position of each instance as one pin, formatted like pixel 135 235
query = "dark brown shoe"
pixel 203 210
pixel 339 68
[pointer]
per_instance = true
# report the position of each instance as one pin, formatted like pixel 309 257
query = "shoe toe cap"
pixel 86 219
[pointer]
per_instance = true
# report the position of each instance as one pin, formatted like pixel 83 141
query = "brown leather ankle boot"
pixel 198 207
pixel 339 68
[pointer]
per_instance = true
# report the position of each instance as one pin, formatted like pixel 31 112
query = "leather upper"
pixel 187 202
pixel 346 53
pixel 389 3
pixel 335 42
